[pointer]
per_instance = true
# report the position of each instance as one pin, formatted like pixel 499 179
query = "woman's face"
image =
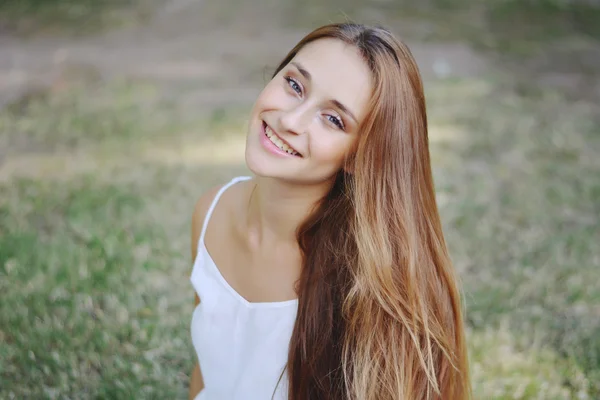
pixel 305 121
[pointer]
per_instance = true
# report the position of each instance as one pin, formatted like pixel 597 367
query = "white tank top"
pixel 242 347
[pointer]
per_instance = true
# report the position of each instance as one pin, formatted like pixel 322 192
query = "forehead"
pixel 338 72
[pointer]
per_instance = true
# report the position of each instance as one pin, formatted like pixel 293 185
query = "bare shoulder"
pixel 227 211
pixel 199 214
pixel 229 208
pixel 200 210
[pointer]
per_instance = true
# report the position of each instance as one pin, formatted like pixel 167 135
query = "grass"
pixel 521 196
pixel 71 17
pixel 74 321
pixel 515 28
pixel 118 112
pixel 505 368
pixel 104 116
pixel 94 251
pixel 541 21
pixel 531 22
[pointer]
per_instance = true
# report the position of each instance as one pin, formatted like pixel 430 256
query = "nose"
pixel 296 119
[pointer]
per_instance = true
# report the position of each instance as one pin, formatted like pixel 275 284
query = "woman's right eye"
pixel 294 85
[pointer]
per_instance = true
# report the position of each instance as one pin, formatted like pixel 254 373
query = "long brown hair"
pixel 379 314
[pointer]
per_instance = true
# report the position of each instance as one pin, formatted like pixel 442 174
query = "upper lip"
pixel 282 139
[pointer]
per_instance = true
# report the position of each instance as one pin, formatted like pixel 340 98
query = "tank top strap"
pixel 214 204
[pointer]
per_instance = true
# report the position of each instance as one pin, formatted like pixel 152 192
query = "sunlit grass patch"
pixel 112 115
pixel 78 316
pixel 80 114
pixel 502 367
pixel 94 128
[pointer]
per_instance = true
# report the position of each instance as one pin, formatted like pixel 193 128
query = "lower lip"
pixel 270 146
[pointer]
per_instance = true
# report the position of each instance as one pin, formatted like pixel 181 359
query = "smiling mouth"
pixel 277 141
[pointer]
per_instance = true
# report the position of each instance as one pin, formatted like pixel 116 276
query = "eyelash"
pixel 336 121
pixel 295 85
pixel 292 82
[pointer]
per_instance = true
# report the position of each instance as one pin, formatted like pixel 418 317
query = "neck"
pixel 277 208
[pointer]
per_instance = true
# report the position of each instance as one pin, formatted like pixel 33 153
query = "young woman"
pixel 326 274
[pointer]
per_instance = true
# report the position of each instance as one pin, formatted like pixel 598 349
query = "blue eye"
pixel 294 85
pixel 336 121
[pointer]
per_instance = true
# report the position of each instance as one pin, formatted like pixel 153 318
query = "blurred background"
pixel 116 115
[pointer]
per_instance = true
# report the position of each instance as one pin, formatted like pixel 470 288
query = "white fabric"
pixel 242 347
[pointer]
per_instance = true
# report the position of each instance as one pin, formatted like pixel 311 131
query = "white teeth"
pixel 278 142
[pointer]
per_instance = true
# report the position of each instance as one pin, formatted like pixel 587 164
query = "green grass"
pixel 504 367
pixel 72 17
pixel 542 20
pixel 514 28
pixel 81 115
pixel 94 260
pixel 75 321
pixel 521 205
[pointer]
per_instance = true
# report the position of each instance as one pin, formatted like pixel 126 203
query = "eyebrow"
pixel 344 109
pixel 339 105
pixel 302 70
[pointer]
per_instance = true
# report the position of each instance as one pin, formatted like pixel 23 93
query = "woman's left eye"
pixel 294 85
pixel 336 121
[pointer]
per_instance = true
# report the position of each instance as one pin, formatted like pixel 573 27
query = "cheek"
pixel 330 147
pixel 270 97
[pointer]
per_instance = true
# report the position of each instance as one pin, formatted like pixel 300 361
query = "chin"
pixel 257 162
pixel 260 166
pixel 254 165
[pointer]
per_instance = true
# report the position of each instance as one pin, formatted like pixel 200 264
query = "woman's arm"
pixel 200 210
